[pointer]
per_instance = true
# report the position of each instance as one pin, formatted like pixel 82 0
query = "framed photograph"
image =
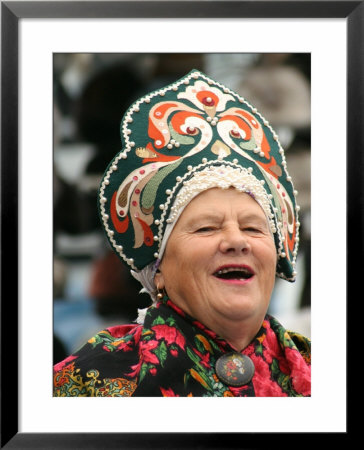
pixel 39 40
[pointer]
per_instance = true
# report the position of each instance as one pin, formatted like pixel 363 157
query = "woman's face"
pixel 220 260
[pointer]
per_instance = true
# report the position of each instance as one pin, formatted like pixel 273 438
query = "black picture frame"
pixel 11 13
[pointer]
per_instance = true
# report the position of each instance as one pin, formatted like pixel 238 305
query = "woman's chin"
pixel 238 307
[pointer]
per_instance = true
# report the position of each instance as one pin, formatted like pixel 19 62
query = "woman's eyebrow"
pixel 214 217
pixel 205 217
pixel 253 217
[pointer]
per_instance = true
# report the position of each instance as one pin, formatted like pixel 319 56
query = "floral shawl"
pixel 173 355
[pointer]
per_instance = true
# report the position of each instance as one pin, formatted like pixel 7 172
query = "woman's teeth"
pixel 233 273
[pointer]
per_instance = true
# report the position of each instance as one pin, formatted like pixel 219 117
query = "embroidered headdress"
pixel 180 140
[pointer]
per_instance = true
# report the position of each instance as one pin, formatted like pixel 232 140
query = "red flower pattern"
pixel 263 384
pixel 64 363
pixel 155 352
pixel 119 331
pixel 170 334
pixel 204 358
pixel 145 348
pixel 300 372
pixel 168 392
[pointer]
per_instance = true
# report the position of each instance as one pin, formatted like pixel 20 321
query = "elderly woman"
pixel 200 205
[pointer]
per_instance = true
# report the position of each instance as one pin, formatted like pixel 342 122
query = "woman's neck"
pixel 238 332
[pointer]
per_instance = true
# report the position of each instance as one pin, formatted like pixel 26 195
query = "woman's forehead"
pixel 214 203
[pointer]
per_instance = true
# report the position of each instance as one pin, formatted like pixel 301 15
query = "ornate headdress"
pixel 180 140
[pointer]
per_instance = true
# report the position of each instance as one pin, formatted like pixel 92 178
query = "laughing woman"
pixel 199 204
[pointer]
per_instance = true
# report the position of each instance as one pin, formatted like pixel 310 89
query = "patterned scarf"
pixel 173 355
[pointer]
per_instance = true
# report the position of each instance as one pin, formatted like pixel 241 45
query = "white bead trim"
pixel 222 176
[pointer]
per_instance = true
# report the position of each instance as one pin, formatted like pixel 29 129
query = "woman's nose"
pixel 234 240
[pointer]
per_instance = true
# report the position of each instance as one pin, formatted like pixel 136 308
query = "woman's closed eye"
pixel 211 228
pixel 256 229
pixel 206 229
pixel 253 229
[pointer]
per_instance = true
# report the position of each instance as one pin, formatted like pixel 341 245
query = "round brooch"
pixel 234 369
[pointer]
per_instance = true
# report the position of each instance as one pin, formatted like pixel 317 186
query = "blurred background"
pixel 92 288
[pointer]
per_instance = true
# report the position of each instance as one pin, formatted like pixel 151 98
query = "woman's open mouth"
pixel 234 274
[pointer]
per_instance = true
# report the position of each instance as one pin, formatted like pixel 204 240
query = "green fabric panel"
pixel 150 190
pixel 184 140
pixel 249 145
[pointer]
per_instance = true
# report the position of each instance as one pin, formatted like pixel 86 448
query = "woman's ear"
pixel 159 280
